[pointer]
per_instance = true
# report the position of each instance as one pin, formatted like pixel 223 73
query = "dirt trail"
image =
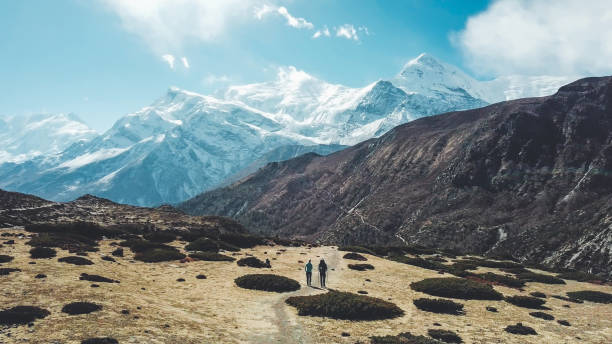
pixel 285 321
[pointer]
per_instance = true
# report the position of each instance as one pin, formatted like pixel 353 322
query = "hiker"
pixel 322 272
pixel 268 265
pixel 308 269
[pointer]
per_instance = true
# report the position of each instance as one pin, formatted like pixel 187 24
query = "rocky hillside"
pixel 18 209
pixel 530 178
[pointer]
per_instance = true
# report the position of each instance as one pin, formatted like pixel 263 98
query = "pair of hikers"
pixel 322 272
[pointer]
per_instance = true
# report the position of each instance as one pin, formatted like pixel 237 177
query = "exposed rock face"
pixel 530 178
pixel 18 209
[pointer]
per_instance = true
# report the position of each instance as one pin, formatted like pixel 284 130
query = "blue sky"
pixel 103 58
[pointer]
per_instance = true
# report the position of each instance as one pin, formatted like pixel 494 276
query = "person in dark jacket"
pixel 308 269
pixel 322 272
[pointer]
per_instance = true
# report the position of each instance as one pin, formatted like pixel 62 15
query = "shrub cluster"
pixel 241 240
pixel 538 294
pixel 563 322
pixel 403 338
pixel 118 252
pixel 354 256
pixel 42 252
pixel 343 305
pixel 420 262
pixel 579 276
pixel 520 329
pixel 358 249
pixel 539 278
pixel 542 315
pixel 76 308
pixel 253 262
pixel 444 336
pixel 525 301
pixel 458 288
pixel 361 267
pixel 492 263
pixel 439 306
pixel 203 244
pixel 21 315
pixel 156 255
pixel 267 282
pixel 6 271
pixel 161 237
pixel 501 279
pixel 211 256
pixel 568 299
pixel 5 259
pixel 96 278
pixel 591 295
pixel 75 260
pixel 101 340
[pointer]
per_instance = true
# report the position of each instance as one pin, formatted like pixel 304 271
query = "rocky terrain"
pixel 529 179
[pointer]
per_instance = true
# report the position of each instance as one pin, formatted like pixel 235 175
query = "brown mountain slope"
pixel 530 178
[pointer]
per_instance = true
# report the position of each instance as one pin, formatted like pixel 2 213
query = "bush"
pixel 159 255
pixel 515 271
pixel 540 278
pixel 520 329
pixel 420 262
pixel 138 245
pixel 5 258
pixel 354 256
pixel 66 241
pixel 358 249
pixel 40 276
pixel 501 279
pixel 6 271
pixel 492 263
pixel 105 340
pixel 75 260
pixel 42 252
pixel 96 278
pixel 563 322
pixel 108 259
pixel 160 237
pixel 444 335
pixel 361 267
pixel 21 315
pixel 458 288
pixel 441 306
pixel 242 240
pixel 568 299
pixel 211 256
pixel 203 244
pixel 591 295
pixel 346 306
pixel 579 276
pixel 525 301
pixel 200 276
pixel 251 262
pixel 267 282
pixel 538 294
pixel 118 252
pixel 403 338
pixel 542 315
pixel 76 308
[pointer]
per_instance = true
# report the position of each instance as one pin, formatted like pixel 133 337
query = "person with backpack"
pixel 308 269
pixel 322 272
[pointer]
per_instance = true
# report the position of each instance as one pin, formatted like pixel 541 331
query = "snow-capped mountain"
pixel 185 143
pixel 25 137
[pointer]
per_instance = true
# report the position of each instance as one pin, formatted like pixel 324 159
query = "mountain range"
pixel 185 143
pixel 528 179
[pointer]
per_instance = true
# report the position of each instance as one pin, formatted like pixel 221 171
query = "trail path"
pixel 284 320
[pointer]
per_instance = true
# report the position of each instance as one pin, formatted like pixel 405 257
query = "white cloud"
pixel 169 59
pixel 212 79
pixel 185 62
pixel 535 37
pixel 323 32
pixel 347 31
pixel 167 24
pixel 298 23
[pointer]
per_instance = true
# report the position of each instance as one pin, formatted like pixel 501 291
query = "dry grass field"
pixel 161 309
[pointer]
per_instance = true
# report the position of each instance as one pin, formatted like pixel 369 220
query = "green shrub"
pixel 568 299
pixel 525 301
pixel 68 241
pixel 538 294
pixel 439 306
pixel 118 252
pixel 211 256
pixel 251 262
pixel 540 278
pixel 361 267
pixel 267 282
pixel 492 263
pixel 542 315
pixel 7 271
pixel 563 322
pixel 42 252
pixel 203 244
pixel 420 262
pixel 343 305
pixel 96 278
pixel 75 260
pixel 138 245
pixel 444 336
pixel 76 308
pixel 458 288
pixel 242 240
pixel 520 329
pixel 501 279
pixel 21 315
pixel 227 247
pixel 159 255
pixel 358 249
pixel 5 259
pixel 579 276
pixel 100 340
pixel 161 237
pixel 402 338
pixel 591 295
pixel 354 256
pixel 89 230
